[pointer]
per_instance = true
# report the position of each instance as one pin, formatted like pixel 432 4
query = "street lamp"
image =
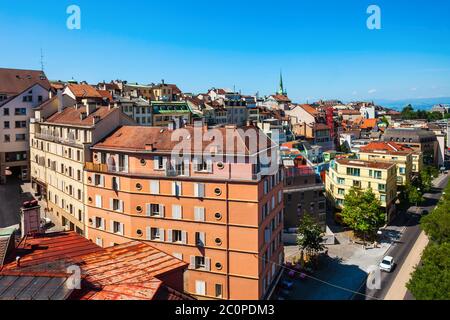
pixel 417 200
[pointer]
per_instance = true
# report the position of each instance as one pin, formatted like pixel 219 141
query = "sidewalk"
pixel 398 289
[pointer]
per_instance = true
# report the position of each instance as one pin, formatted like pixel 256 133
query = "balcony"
pixel 104 168
pixel 52 138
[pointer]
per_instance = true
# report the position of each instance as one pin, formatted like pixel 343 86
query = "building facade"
pixel 223 218
pixel 345 174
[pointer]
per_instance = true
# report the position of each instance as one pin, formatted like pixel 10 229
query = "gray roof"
pixel 410 134
pixel 16 287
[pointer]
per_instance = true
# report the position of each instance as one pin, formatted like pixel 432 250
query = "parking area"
pixel 12 195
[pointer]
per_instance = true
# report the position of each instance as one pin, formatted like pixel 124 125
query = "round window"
pixel 220 165
pixel 218 241
pixel 90 221
pixel 218 215
pixel 218 266
pixel 138 186
pixel 143 162
pixel 139 233
pixel 89 179
pixel 90 200
pixel 139 209
pixel 217 191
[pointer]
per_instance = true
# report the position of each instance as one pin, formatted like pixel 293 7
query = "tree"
pixel 437 224
pixel 309 236
pixel 413 194
pixel 385 121
pixel 362 212
pixel 431 280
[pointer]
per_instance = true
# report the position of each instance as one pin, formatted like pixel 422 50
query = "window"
pixel 98 201
pixel 402 170
pixel 218 290
pixel 199 190
pixel 383 198
pixel 176 188
pixel 98 180
pixel 199 214
pixel 341 181
pixel 116 205
pixel 356 183
pixel 99 223
pixel 382 187
pixel 20 112
pixel 353 172
pixel 177 236
pixel 21 137
pixel 117 227
pixel 155 210
pixel 200 288
pixel 377 174
pixel 99 242
pixel 200 239
pixel 6 124
pixel 159 163
pixel 177 211
pixel 20 124
pixel 200 262
pixel 6 111
pixel 154 187
pixel 341 192
pixel 156 234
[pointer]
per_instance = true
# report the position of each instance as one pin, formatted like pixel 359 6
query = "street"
pixel 12 196
pixel 401 249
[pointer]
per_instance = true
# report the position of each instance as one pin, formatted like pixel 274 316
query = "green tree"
pixel 408 113
pixel 437 224
pixel 414 194
pixel 431 280
pixel 362 212
pixel 309 236
pixel 385 121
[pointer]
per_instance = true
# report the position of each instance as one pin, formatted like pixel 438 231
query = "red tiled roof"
pixel 14 81
pixel 312 111
pixel 281 98
pixel 105 94
pixel 365 164
pixel 125 272
pixel 369 123
pixel 137 138
pixel 386 146
pixel 72 116
pixel 83 91
pixel 51 247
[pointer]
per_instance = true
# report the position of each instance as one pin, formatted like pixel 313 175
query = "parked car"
pixel 387 264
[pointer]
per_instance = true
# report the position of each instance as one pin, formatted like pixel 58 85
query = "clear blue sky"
pixel 323 47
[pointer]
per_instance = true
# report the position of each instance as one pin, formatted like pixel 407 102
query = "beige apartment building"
pixel 224 218
pixel 345 174
pixel 390 153
pixel 61 134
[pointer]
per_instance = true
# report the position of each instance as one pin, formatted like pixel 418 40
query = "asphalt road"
pixel 401 248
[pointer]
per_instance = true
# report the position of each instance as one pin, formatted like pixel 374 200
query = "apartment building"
pixel 392 153
pixel 224 218
pixel 420 140
pixel 165 112
pixel 60 136
pixel 20 92
pixel 304 192
pixel 381 177
pixel 137 108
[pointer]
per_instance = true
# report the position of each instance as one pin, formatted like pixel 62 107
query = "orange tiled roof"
pixel 369 123
pixel 105 94
pixel 72 116
pixel 309 109
pixel 83 91
pixel 386 146
pixel 136 138
pixel 281 98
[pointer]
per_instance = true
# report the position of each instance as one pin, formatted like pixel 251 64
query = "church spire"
pixel 281 90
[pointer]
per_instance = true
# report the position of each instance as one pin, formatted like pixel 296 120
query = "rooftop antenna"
pixel 42 60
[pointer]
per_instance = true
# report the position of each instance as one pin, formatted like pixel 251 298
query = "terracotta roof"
pixel 83 91
pixel 105 94
pixel 386 146
pixel 135 138
pixel 50 247
pixel 312 111
pixel 349 112
pixel 14 81
pixel 125 272
pixel 369 123
pixel 280 98
pixel 72 116
pixel 109 86
pixel 365 164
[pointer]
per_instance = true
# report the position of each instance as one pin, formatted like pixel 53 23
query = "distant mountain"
pixel 419 104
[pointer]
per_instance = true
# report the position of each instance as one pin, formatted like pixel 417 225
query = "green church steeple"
pixel 281 90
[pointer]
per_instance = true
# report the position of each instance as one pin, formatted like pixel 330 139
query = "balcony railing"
pixel 57 139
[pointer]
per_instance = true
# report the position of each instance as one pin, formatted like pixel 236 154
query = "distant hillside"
pixel 419 104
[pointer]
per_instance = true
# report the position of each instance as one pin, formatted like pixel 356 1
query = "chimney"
pixel 60 101
pixel 82 115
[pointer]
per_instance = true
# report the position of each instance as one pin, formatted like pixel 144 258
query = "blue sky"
pixel 323 47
